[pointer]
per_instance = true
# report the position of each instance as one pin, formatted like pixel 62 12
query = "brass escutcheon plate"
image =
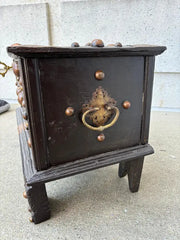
pixel 99 110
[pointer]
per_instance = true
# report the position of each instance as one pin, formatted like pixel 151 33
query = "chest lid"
pixel 94 49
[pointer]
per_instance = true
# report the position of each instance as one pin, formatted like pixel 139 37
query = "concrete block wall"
pixel 62 22
pixel 27 24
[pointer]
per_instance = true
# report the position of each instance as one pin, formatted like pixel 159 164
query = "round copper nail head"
pixel 24 194
pixel 126 104
pixel 26 125
pixel 23 104
pixel 75 44
pixel 88 44
pixel 29 143
pixel 15 44
pixel 99 75
pixel 101 137
pixel 20 97
pixel 15 68
pixel 25 116
pixel 19 89
pixel 69 111
pixel 30 219
pixel 20 81
pixel 97 43
pixel 118 44
pixel 111 45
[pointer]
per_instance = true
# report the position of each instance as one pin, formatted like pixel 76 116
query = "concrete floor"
pixel 97 204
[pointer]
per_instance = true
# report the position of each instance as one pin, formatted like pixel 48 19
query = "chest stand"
pixel 38 202
pixel 36 193
pixel 133 169
pixel 130 162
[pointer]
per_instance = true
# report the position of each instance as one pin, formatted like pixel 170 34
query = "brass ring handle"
pixel 100 128
pixel 4 70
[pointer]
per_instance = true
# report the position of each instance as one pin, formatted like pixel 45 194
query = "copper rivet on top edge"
pixel 75 44
pixel 15 44
pixel 88 44
pixel 111 45
pixel 118 44
pixel 97 43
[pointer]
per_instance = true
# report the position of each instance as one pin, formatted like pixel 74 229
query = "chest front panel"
pixel 70 82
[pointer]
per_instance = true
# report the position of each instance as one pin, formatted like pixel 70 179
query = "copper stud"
pixel 26 125
pixel 23 104
pixel 118 44
pixel 20 81
pixel 24 194
pixel 19 89
pixel 99 75
pixel 101 137
pixel 15 44
pixel 126 104
pixel 25 116
pixel 31 219
pixel 97 43
pixel 20 128
pixel 69 111
pixel 110 45
pixel 29 143
pixel 15 68
pixel 75 44
pixel 20 97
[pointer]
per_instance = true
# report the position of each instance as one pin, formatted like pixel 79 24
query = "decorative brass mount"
pixel 5 69
pixel 100 109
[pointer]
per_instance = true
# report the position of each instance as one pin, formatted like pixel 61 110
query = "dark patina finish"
pixel 63 106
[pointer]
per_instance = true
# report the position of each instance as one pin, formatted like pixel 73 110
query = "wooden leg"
pixel 38 202
pixel 134 169
pixel 123 169
pixel 134 173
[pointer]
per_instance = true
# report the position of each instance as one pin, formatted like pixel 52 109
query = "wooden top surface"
pixel 52 51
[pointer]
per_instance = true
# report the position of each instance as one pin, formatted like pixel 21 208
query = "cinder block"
pixel 25 24
pixel 166 91
pixel 130 22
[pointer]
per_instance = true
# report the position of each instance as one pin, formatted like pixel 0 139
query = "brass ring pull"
pixel 100 128
pixel 5 69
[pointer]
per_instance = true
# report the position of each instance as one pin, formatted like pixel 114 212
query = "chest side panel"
pixel 70 82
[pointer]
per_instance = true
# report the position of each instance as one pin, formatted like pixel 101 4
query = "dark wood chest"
pixel 82 108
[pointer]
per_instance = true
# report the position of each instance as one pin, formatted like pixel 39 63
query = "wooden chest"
pixel 82 108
